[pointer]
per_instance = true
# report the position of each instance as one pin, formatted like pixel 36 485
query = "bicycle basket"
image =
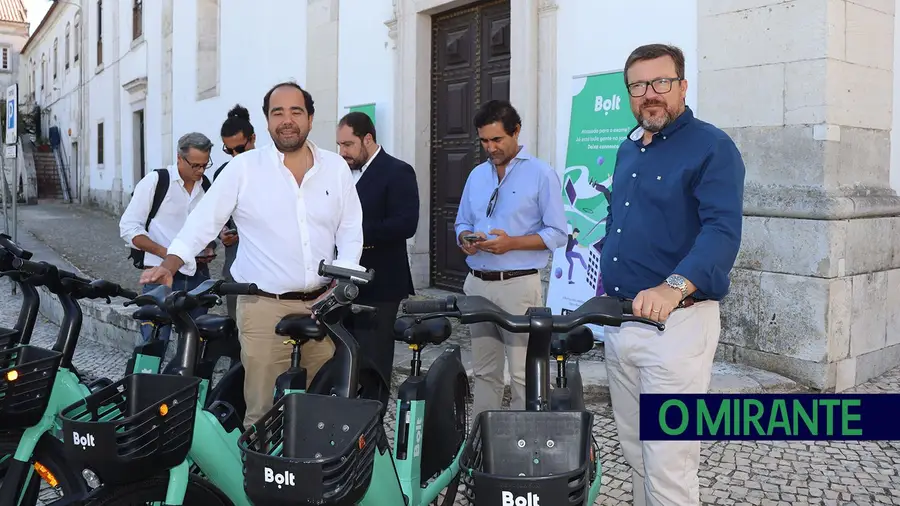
pixel 27 374
pixel 529 457
pixel 134 428
pixel 8 337
pixel 312 449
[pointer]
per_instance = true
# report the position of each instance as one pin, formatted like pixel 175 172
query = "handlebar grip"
pixel 29 267
pixel 238 289
pixel 429 306
pixel 626 307
pixel 7 243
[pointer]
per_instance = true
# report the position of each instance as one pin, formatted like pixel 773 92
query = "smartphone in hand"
pixel 473 238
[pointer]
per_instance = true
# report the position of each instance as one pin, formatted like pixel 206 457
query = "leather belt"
pixel 306 296
pixel 501 275
pixel 689 301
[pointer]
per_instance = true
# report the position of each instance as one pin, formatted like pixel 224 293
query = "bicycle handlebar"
pixel 97 289
pixel 7 243
pixel 178 304
pixel 206 294
pixel 599 310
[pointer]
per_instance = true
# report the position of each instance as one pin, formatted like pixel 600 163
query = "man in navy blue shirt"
pixel 672 236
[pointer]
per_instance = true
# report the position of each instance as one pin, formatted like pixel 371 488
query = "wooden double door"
pixel 470 66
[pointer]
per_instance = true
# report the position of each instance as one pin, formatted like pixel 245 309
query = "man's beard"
pixel 291 145
pixel 655 123
pixel 357 163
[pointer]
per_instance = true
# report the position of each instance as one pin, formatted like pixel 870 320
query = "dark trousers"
pixel 375 335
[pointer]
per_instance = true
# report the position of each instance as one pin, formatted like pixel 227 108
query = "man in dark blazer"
pixel 389 195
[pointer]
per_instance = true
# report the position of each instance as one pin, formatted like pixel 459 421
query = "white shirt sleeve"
pixel 133 221
pixel 207 219
pixel 349 236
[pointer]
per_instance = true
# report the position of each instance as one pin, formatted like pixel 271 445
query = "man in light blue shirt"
pixel 510 219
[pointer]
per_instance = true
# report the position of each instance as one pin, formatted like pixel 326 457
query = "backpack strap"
pixel 219 171
pixel 205 183
pixel 162 187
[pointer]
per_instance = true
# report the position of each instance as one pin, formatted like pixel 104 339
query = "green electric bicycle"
pixel 150 440
pixel 546 454
pixel 35 383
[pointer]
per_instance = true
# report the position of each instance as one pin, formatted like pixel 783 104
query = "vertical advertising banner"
pixel 369 109
pixel 600 120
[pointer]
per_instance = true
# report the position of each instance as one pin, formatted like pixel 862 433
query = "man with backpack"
pixel 158 209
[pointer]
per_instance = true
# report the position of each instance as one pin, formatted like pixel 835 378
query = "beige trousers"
pixel 639 359
pixel 491 344
pixel 264 354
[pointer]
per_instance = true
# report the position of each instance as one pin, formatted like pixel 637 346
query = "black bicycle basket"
pixel 27 374
pixel 133 429
pixel 529 458
pixel 312 449
pixel 8 337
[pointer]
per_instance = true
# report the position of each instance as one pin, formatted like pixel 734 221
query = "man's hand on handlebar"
pixel 157 275
pixel 656 303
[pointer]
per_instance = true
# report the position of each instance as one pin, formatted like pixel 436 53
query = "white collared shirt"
pixel 171 216
pixel 286 228
pixel 358 173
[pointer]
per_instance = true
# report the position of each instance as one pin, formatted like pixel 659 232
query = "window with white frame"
pixel 5 55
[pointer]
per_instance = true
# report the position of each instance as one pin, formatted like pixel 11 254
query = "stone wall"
pixel 804 88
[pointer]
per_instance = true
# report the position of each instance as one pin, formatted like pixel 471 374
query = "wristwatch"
pixel 678 282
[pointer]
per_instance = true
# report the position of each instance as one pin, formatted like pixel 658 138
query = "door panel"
pixel 470 65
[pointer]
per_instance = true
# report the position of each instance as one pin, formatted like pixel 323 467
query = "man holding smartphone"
pixel 510 218
pixel 238 137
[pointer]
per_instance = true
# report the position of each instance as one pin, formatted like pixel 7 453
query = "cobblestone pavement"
pixel 731 473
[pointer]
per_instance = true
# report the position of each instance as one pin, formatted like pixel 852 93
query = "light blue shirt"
pixel 529 201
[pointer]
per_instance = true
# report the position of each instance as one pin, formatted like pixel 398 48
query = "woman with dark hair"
pixel 237 137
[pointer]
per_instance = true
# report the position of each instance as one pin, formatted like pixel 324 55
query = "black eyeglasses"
pixel 492 204
pixel 198 166
pixel 662 85
pixel 237 149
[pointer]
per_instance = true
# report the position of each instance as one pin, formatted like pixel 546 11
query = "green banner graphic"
pixel 369 109
pixel 600 120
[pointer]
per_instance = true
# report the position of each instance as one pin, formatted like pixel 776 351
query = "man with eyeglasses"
pixel 158 209
pixel 672 236
pixel 510 218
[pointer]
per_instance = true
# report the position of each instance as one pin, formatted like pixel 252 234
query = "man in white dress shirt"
pixel 184 188
pixel 293 203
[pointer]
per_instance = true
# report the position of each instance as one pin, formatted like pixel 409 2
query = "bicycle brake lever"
pixel 647 321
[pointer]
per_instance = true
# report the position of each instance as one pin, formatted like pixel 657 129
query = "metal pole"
pixel 5 190
pixel 15 200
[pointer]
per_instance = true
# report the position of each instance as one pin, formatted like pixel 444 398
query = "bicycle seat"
pixel 300 328
pixel 154 314
pixel 431 331
pixel 213 327
pixel 577 341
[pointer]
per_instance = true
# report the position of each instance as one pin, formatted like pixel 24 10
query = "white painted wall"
pixel 259 47
pixel 895 125
pixel 366 64
pixel 102 87
pixel 598 36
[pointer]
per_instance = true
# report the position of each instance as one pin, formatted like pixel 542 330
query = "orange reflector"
pixel 45 474
pixel 163 409
pixel 362 442
pixel 12 375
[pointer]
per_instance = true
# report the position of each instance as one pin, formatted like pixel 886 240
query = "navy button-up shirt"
pixel 677 205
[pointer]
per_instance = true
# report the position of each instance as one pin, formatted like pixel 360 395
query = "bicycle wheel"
pixel 56 481
pixel 153 491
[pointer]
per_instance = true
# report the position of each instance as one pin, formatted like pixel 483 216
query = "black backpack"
pixel 162 187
